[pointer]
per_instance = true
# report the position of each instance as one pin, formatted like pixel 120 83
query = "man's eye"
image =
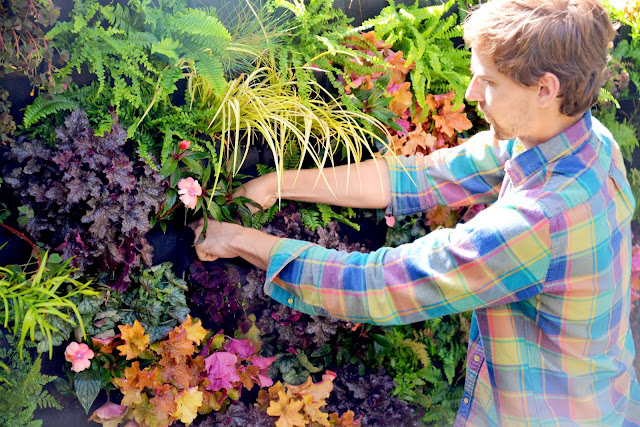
pixel 484 81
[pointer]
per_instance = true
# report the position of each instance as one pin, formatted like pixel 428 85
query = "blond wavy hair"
pixel 527 38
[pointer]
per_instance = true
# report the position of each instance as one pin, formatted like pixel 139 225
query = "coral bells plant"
pixel 302 405
pixel 86 198
pixel 179 377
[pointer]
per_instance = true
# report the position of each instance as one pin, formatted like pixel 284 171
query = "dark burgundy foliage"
pixel 370 397
pixel 238 415
pixel 89 201
pixel 228 294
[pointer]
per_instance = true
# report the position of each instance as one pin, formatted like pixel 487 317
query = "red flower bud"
pixel 184 144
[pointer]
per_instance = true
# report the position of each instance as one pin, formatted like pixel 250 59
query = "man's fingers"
pixel 197 231
pixel 195 224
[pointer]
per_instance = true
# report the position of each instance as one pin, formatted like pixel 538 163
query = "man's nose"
pixel 474 92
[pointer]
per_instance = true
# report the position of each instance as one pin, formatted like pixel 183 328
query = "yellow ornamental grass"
pixel 265 105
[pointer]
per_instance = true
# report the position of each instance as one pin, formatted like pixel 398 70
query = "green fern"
pixel 44 106
pixel 420 351
pixel 24 390
pixel 425 35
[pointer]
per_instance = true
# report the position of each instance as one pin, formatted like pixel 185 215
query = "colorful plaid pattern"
pixel 546 269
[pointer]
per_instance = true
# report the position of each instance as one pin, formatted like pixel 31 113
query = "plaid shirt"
pixel 546 269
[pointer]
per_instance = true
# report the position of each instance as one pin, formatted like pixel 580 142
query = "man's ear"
pixel 549 89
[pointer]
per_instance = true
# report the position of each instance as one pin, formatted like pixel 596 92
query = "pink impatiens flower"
pixel 79 355
pixel 189 192
pixel 184 144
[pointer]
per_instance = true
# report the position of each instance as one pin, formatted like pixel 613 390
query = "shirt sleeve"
pixel 500 256
pixel 465 175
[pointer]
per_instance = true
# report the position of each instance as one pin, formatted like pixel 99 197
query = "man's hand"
pixel 217 242
pixel 226 240
pixel 262 190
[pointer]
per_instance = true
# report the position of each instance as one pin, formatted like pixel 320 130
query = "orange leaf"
pixel 164 403
pixel 177 374
pixel 402 100
pixel 447 120
pixel 247 375
pixel 135 341
pixel 195 331
pixel 419 141
pixel 266 396
pixel 135 379
pixel 320 390
pixel 176 347
pixel 438 215
pixel 346 420
pixel 313 411
pixel 400 70
pixel 288 411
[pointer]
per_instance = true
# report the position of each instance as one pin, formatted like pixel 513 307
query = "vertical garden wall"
pixel 122 122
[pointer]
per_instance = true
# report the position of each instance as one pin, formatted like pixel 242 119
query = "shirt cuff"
pixel 282 256
pixel 410 191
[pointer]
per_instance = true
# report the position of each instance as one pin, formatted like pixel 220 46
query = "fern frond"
pixel 420 350
pixel 43 107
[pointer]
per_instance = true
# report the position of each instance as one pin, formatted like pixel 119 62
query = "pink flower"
pixel 184 144
pixel 390 220
pixel 635 258
pixel 79 356
pixel 189 192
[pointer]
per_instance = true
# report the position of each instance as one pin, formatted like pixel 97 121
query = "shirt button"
pixel 290 300
pixel 466 400
pixel 476 358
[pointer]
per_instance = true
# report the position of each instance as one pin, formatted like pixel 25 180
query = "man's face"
pixel 507 105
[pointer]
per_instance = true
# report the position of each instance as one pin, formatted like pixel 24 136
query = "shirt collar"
pixel 532 160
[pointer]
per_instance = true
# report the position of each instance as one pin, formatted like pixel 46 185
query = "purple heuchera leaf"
pixel 221 370
pixel 87 183
pixel 120 173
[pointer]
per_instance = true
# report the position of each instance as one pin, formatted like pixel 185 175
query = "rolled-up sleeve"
pixel 500 256
pixel 465 175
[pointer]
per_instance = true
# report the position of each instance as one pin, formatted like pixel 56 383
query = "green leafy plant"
pixel 34 301
pixel 425 35
pixel 318 43
pixel 24 47
pixel 157 301
pixel 23 389
pixel 427 363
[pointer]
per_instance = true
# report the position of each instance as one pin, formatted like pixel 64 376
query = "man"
pixel 546 268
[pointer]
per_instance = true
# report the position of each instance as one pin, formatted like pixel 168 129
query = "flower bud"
pixel 184 144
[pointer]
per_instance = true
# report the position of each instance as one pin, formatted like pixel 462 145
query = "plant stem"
pixel 26 239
